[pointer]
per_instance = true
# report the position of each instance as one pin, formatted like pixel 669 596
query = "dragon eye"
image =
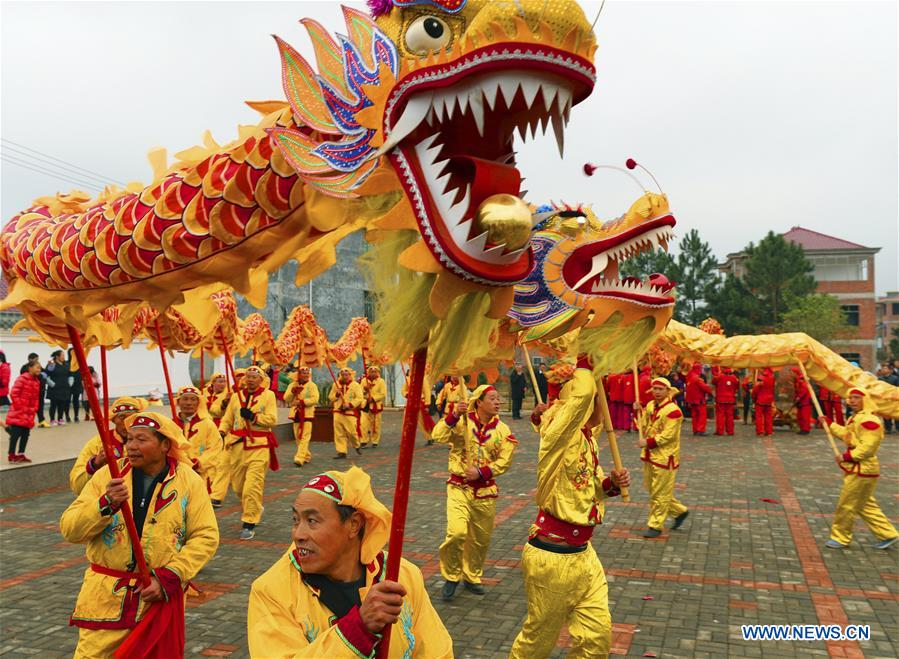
pixel 427 33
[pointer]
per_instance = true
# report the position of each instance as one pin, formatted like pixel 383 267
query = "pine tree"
pixel 698 271
pixel 777 273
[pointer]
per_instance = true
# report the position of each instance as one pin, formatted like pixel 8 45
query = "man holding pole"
pixel 481 448
pixel 374 391
pixel 802 397
pixel 304 396
pixel 564 579
pixel 862 436
pixel 200 431
pixel 661 424
pixel 250 444
pixel 454 392
pixel 763 397
pixel 695 397
pixel 346 397
pixel 168 498
pixel 727 385
pixel 328 595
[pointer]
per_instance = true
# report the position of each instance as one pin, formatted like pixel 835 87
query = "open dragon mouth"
pixel 593 269
pixel 453 128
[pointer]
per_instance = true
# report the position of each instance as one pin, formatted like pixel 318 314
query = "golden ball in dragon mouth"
pixel 506 219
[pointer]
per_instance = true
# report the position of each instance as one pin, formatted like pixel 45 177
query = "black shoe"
pixel 430 442
pixel 449 590
pixel 680 519
pixel 374 446
pixel 358 451
pixel 216 503
pixel 476 588
pixel 339 456
pixel 298 464
pixel 365 445
pixel 651 533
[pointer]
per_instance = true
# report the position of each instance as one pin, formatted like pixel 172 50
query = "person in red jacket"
pixel 26 395
pixel 831 405
pixel 763 397
pixel 628 396
pixel 5 376
pixel 803 402
pixel 726 387
pixel 615 399
pixel 697 390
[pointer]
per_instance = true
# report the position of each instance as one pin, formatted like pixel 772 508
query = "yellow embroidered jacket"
pixel 346 394
pixel 84 467
pixel 452 394
pixel 862 434
pixel 377 389
pixel 180 534
pixel 286 618
pixel 215 404
pixel 489 448
pixel 304 397
pixel 255 433
pixel 571 485
pixel 205 442
pixel 661 428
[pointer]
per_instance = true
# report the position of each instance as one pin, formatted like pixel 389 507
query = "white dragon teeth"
pixel 597 266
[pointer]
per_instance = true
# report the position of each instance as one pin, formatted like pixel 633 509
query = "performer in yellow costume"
pixel 327 596
pixel 178 531
pixel 374 391
pixel 346 397
pixel 862 436
pixel 564 580
pixel 303 396
pixel 92 456
pixel 250 443
pixel 661 422
pixel 454 391
pixel 217 397
pixel 481 448
pixel 207 449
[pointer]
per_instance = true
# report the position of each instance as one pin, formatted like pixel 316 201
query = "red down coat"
pixel 25 395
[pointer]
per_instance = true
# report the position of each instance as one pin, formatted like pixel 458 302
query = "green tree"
pixel 698 271
pixel 819 316
pixel 732 305
pixel 777 273
pixel 646 263
pixel 894 344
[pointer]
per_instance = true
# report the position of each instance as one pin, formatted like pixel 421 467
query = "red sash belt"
pixel 271 445
pixel 299 414
pixel 573 534
pixel 856 470
pixel 118 574
pixel 353 412
pixel 476 485
pixel 647 457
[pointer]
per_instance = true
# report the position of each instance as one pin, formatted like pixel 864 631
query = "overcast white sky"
pixel 754 116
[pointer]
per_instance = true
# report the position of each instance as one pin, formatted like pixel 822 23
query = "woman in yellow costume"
pixel 250 444
pixel 346 398
pixel 200 432
pixel 92 456
pixel 564 579
pixel 303 396
pixel 176 525
pixel 327 596
pixel 481 448
pixel 862 436
pixel 374 391
pixel 661 423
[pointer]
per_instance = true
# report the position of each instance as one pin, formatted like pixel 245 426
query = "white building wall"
pixel 132 372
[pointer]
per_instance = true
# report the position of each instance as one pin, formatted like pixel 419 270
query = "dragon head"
pixel 576 283
pixel 424 97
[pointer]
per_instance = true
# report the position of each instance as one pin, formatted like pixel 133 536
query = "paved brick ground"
pixel 751 552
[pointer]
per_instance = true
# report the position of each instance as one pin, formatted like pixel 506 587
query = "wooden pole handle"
pixel 610 433
pixel 811 391
pixel 637 396
pixel 527 358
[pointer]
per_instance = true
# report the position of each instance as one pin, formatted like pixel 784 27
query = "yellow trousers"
pixel 97 643
pixel 371 428
pixel 857 500
pixel 303 434
pixel 469 525
pixel 659 483
pixel 345 432
pixel 564 589
pixel 222 478
pixel 248 469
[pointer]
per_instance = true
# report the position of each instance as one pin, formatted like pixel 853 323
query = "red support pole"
pixel 165 369
pixel 229 365
pixel 403 473
pixel 330 370
pixel 111 462
pixel 103 374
